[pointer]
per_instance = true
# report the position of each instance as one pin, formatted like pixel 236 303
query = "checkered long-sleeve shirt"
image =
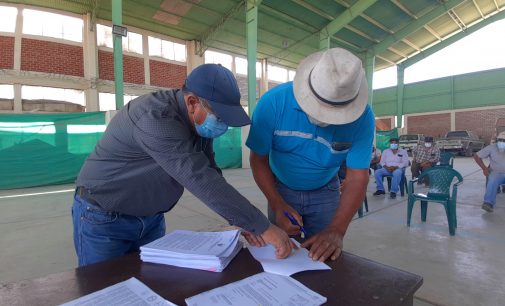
pixel 149 153
pixel 423 154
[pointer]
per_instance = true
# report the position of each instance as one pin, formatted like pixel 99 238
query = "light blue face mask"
pixel 501 145
pixel 211 127
pixel 394 146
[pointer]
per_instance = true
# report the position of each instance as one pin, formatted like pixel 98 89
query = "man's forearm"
pixel 351 199
pixel 479 162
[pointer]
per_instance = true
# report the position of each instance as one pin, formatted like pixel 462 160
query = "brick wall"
pixel 133 68
pixel 436 125
pixel 6 52
pixel 383 124
pixel 52 57
pixel 166 74
pixel 481 122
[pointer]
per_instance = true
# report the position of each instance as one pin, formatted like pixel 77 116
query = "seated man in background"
pixel 425 156
pixel 393 161
pixel 495 173
pixel 376 158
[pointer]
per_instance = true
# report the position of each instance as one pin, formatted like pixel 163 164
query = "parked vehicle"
pixel 410 141
pixel 461 142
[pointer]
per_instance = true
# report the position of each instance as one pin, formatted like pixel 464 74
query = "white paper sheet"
pixel 298 261
pixel 263 289
pixel 130 292
pixel 219 244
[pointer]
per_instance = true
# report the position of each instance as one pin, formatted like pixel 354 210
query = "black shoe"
pixel 379 192
pixel 392 195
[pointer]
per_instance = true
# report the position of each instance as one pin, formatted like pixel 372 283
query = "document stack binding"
pixel 211 251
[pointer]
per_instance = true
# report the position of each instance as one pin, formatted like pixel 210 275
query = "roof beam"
pixel 414 16
pixel 448 41
pixel 313 9
pixel 211 33
pixel 457 20
pixel 347 16
pixel 415 25
pixel 478 8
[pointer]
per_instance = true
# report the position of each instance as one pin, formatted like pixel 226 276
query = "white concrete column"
pixel 193 60
pixel 245 149
pixel 90 52
pixel 264 77
pixel 145 53
pixel 18 105
pixel 453 120
pixel 18 33
pixel 17 39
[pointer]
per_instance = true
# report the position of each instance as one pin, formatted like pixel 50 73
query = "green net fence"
pixel 48 149
pixel 382 138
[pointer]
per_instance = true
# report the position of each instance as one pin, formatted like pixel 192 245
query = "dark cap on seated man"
pixel 428 139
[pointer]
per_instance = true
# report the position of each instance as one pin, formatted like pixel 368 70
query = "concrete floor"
pixel 467 269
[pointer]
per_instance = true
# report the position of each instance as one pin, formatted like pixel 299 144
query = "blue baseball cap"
pixel 217 85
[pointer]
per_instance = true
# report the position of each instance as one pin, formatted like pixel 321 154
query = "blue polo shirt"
pixel 302 155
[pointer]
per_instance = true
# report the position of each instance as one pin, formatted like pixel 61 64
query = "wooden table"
pixel 353 280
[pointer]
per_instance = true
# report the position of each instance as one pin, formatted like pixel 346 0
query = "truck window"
pixel 456 134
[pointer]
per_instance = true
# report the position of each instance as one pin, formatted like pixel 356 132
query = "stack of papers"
pixel 211 251
pixel 261 289
pixel 298 261
pixel 130 292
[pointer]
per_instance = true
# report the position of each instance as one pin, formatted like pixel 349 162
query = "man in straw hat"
pixel 301 132
pixel 495 173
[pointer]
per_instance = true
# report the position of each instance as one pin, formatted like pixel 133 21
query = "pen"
pixel 294 222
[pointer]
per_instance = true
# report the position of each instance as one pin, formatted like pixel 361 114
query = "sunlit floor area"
pixel 466 269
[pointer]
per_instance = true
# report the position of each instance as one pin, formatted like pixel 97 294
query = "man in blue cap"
pixel 153 148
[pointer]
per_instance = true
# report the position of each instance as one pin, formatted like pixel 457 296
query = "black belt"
pixel 84 193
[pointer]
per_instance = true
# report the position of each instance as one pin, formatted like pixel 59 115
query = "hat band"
pixel 334 103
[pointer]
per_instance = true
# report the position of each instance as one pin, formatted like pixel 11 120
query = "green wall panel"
pixel 478 89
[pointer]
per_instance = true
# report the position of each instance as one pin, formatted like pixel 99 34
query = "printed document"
pixel 130 292
pixel 263 289
pixel 298 261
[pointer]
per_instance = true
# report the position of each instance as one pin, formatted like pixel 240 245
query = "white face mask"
pixel 427 144
pixel 316 122
pixel 501 146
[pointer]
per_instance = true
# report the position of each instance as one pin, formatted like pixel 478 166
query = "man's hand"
pixel 324 245
pixel 280 240
pixel 426 164
pixel 485 171
pixel 253 240
pixel 284 223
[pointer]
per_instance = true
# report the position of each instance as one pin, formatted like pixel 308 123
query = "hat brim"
pixel 234 116
pixel 322 111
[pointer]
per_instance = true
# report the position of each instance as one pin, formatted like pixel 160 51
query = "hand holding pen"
pixel 294 222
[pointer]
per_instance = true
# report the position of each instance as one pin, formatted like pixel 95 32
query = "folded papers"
pixel 211 251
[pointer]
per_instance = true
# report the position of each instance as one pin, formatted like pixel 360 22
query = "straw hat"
pixel 330 86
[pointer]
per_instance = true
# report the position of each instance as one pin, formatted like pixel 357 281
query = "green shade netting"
pixel 382 138
pixel 47 149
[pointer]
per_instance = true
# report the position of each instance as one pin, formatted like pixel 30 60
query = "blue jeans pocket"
pixel 95 215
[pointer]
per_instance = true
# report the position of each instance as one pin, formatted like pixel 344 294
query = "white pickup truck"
pixel 462 142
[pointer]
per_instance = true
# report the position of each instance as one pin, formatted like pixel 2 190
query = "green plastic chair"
pixel 446 159
pixel 440 178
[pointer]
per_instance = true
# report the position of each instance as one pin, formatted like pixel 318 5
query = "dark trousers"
pixel 417 170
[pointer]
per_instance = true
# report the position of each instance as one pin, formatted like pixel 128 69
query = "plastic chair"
pixel 403 183
pixel 365 205
pixel 440 178
pixel 446 159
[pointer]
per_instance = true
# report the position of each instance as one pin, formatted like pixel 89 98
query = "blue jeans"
pixel 101 235
pixel 397 178
pixel 317 207
pixel 494 180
